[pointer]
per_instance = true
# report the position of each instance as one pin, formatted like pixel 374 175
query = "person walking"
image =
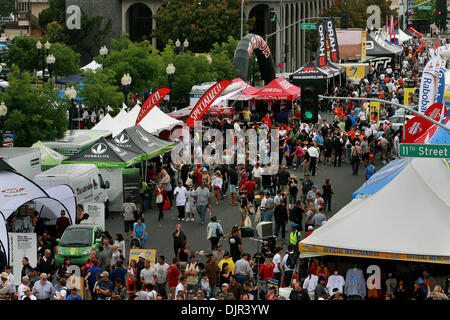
pixel 327 192
pixel 128 209
pixel 281 218
pixel 355 156
pixel 217 182
pixel 266 207
pixel 203 199
pixel 161 196
pixel 214 231
pixel 181 198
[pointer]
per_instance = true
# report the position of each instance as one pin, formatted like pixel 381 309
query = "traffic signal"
pixel 314 46
pixel 344 21
pixel 309 104
pixel 272 15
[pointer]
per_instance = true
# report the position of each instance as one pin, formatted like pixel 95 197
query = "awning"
pixel 49 157
pixel 74 78
pixel 278 89
pixel 309 71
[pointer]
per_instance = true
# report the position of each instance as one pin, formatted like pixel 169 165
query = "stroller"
pixel 135 243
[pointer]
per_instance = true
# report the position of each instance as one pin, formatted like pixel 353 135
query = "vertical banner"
pixel 408 94
pixel 427 86
pixel 96 213
pixel 375 111
pixel 21 245
pixel 440 82
pixel 332 41
pixel 131 185
pixel 205 102
pixel 322 47
pixel 363 45
pixel 152 101
pixel 8 140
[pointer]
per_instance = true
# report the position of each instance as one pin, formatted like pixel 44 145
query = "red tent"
pixel 278 89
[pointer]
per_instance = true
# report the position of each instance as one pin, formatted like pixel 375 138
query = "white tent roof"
pixel 410 215
pixel 105 124
pixel 93 65
pixel 120 121
pixel 402 37
pixel 132 116
pixel 156 121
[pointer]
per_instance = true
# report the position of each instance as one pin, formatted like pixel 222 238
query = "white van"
pixel 85 180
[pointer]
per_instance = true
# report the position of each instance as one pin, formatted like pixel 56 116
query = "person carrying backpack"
pixel 288 264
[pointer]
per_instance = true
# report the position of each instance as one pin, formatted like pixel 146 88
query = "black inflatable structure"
pixel 249 44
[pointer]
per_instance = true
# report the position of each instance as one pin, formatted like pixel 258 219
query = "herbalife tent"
pixel 380 179
pixel 406 220
pixel 16 190
pixel 49 158
pixel 105 155
pixel 139 141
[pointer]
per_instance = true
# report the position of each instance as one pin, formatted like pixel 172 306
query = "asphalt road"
pixel 160 234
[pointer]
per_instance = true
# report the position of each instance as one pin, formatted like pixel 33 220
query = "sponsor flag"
pixel 416 127
pixel 435 111
pixel 322 46
pixel 437 43
pixel 440 80
pixel 332 41
pixel 421 47
pixel 427 86
pixel 363 45
pixel 408 94
pixel 151 102
pixel 205 101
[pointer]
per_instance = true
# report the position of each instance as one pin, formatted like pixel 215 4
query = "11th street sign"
pixel 309 26
pixel 415 150
pixel 424 7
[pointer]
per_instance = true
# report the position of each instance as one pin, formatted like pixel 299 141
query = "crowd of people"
pixel 357 135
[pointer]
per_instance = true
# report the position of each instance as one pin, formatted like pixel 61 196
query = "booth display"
pixel 278 89
pixel 49 158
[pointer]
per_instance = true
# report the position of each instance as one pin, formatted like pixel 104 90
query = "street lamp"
pixel 103 51
pixel 208 57
pixel 3 111
pixel 50 62
pixel 43 52
pixel 126 81
pixel 71 94
pixel 180 48
pixel 170 70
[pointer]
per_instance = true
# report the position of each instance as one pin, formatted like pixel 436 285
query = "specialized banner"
pixel 363 45
pixel 427 85
pixel 332 251
pixel 332 41
pixel 151 102
pixel 408 94
pixel 205 101
pixel 149 254
pixel 322 46
pixel 440 82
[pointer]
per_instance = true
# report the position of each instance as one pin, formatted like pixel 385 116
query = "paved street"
pixel 160 234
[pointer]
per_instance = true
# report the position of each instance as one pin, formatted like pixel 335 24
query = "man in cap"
pixel 5 287
pixel 321 291
pixel 104 286
pixel 310 230
pixel 191 273
pixel 305 187
pixel 312 193
pixel 34 277
pixel 294 236
pixel 227 259
pixel 288 264
pixel 61 224
pixel 43 289
pixel 74 294
pixel 181 195
pixel 22 286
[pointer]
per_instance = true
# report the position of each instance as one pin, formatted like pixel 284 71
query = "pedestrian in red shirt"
pixel 266 271
pixel 173 276
pixel 61 224
pixel 250 186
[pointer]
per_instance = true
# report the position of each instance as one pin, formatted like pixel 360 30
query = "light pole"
pixel 3 111
pixel 43 52
pixel 242 19
pixel 71 94
pixel 180 48
pixel 125 81
pixel 170 70
pixel 50 62
pixel 103 51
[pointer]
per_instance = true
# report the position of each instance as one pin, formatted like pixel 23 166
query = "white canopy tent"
pixel 105 124
pixel 402 37
pixel 406 220
pixel 16 190
pixel 157 121
pixel 93 65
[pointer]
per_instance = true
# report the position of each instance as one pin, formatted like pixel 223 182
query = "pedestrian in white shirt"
pixel 277 262
pixel 181 198
pixel 310 284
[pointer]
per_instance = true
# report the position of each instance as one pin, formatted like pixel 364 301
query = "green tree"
pixel 67 61
pixel 6 7
pixel 203 23
pixel 34 113
pixel 99 90
pixel 54 13
pixel 222 59
pixel 356 9
pixel 424 14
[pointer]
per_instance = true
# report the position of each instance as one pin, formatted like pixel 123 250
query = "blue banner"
pixel 8 140
pixel 440 86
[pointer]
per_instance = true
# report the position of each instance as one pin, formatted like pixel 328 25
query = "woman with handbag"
pixel 214 232
pixel 161 197
pixel 356 154
pixel 165 181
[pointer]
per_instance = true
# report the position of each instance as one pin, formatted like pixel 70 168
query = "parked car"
pixel 77 242
pixel 397 120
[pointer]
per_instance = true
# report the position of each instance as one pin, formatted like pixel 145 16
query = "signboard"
pixel 375 112
pixel 424 150
pixel 21 245
pixel 8 140
pixel 424 7
pixel 131 185
pixel 408 95
pixel 96 212
pixel 273 283
pixel 333 251
pixel 149 254
pixel 363 45
pixel 355 70
pixel 309 26
pixel 411 7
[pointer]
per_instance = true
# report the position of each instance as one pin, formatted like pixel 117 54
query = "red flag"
pixel 415 127
pixel 152 101
pixel 434 111
pixel 421 46
pixel 437 43
pixel 205 101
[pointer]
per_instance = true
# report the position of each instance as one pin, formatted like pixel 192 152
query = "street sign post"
pixel 415 150
pixel 308 26
pixel 424 7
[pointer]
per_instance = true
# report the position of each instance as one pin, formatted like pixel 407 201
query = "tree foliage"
pixel 54 13
pixel 99 89
pixel 34 113
pixel 6 7
pixel 203 22
pixel 424 14
pixel 356 9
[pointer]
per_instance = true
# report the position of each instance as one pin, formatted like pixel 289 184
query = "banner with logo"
pixel 363 45
pixel 151 102
pixel 8 140
pixel 415 127
pixel 332 41
pixel 96 212
pixel 440 82
pixel 374 111
pixel 408 94
pixel 21 245
pixel 427 85
pixel 149 254
pixel 205 101
pixel 322 46
pixel 332 251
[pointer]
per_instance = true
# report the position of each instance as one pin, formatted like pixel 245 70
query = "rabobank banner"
pixel 427 85
pixel 440 80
